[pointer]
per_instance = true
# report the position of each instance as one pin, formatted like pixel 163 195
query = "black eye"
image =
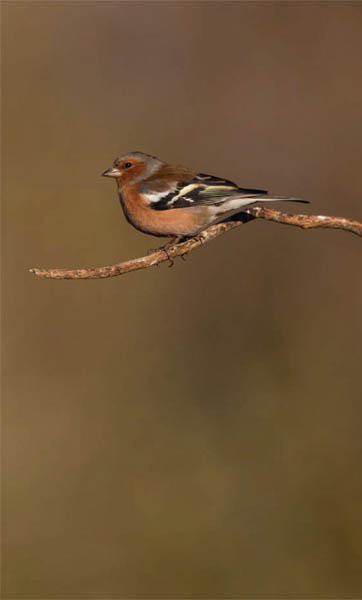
pixel 127 165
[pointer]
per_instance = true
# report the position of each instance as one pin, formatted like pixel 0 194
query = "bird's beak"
pixel 112 172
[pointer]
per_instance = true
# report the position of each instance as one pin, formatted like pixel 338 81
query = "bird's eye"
pixel 127 165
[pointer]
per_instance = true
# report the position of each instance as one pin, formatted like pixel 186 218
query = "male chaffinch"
pixel 173 201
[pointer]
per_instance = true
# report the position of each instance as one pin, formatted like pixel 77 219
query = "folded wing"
pixel 201 189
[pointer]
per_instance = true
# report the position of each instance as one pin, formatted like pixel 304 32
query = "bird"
pixel 176 202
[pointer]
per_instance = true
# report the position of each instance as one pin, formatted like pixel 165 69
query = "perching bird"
pixel 173 201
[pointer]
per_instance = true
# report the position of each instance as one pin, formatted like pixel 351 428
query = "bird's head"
pixel 133 167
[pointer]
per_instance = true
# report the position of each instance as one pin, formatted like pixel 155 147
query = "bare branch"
pixel 181 249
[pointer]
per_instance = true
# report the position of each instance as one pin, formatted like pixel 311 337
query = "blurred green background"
pixel 192 432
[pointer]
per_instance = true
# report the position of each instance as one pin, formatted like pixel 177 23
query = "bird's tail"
pixel 266 198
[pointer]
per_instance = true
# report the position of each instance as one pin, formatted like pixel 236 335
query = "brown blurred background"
pixel 192 432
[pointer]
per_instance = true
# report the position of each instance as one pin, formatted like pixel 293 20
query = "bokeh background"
pixel 192 432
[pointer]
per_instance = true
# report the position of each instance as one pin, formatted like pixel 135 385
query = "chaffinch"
pixel 173 201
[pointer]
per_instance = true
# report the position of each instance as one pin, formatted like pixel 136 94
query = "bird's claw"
pixel 170 259
pixel 166 249
pixel 199 238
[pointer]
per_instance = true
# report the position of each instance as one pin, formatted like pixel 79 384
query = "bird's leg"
pixel 174 241
pixel 199 237
pixel 167 247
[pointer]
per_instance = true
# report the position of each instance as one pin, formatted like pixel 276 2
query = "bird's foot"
pixel 166 248
pixel 199 237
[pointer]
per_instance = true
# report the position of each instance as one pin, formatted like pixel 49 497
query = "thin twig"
pixel 181 249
